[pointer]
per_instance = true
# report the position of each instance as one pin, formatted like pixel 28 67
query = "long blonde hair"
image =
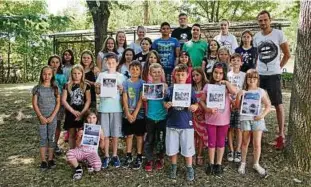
pixel 82 84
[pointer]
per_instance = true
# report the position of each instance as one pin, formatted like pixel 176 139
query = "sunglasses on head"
pixel 220 65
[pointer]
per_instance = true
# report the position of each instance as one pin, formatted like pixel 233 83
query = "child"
pixel 224 57
pixel 217 121
pixel 68 62
pixel 111 111
pixel 81 153
pixel 121 42
pixel 156 123
pixel 200 132
pixel 136 45
pixel 145 46
pixel 236 78
pixel 247 51
pixel 76 99
pixel 179 130
pixel 134 122
pixel 254 124
pixel 60 80
pixel 126 59
pixel 152 57
pixel 168 49
pixel 109 46
pixel 211 58
pixel 91 72
pixel 184 58
pixel 46 103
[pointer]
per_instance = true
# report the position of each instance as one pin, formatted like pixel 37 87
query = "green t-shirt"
pixel 197 50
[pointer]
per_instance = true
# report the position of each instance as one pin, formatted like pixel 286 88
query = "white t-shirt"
pixel 137 48
pixel 269 52
pixel 229 41
pixel 236 79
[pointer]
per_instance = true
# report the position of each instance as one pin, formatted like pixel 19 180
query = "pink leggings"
pixel 216 135
pixel 80 154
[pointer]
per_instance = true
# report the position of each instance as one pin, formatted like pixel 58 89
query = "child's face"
pixel 165 30
pixel 184 59
pixel 110 45
pixel 92 119
pixel 196 32
pixel 129 56
pixel 246 38
pixel 156 74
pixel 252 82
pixel 181 77
pixel 86 60
pixel 141 33
pixel 224 26
pixel 54 63
pixel 196 77
pixel 145 45
pixel 121 38
pixel 218 74
pixel 213 46
pixel 47 75
pixel 135 71
pixel 67 56
pixel 112 64
pixel 152 58
pixel 223 56
pixel 236 62
pixel 76 75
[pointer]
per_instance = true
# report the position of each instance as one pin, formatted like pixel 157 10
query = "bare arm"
pixel 285 49
pixel 266 101
pixel 54 113
pixel 99 62
pixel 138 106
pixel 177 51
pixel 203 65
pixel 41 118
pixel 87 103
pixel 65 103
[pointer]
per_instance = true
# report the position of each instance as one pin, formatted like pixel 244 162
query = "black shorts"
pixel 235 119
pixel 272 83
pixel 137 128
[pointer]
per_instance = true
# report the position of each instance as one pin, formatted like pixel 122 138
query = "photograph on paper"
pixel 91 136
pixel 251 103
pixel 153 91
pixel 108 86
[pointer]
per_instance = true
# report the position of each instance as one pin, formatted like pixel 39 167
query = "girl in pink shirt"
pixel 217 120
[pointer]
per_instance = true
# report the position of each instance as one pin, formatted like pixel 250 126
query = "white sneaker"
pixel 241 169
pixel 230 156
pixel 237 157
pixel 259 169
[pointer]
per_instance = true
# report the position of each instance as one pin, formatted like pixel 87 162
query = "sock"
pixel 129 154
pixel 78 167
pixel 140 155
pixel 189 167
pixel 174 166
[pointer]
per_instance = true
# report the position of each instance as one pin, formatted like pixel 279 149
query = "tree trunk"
pixel 100 14
pixel 146 12
pixel 299 128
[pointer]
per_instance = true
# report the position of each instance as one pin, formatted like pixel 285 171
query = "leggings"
pixel 216 135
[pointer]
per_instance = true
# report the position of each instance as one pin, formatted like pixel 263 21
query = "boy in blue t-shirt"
pixel 134 117
pixel 168 49
pixel 179 130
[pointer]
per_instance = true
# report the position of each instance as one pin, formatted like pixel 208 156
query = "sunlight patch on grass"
pixel 19 87
pixel 20 116
pixel 2 116
pixel 14 160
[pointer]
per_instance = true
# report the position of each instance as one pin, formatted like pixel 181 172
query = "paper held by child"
pixel 181 95
pixel 153 91
pixel 90 137
pixel 108 86
pixel 216 96
pixel 251 104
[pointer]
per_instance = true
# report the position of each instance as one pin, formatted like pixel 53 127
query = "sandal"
pixel 200 160
pixel 78 174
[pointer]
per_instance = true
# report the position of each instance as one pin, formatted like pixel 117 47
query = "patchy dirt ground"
pixel 19 156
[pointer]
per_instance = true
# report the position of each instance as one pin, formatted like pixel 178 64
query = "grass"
pixel 19 158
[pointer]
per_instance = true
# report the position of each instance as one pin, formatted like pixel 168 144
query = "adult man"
pixel 225 38
pixel 270 43
pixel 183 32
pixel 196 47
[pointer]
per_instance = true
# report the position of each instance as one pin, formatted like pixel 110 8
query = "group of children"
pixel 70 90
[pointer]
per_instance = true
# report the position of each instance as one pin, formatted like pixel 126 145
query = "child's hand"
pixel 224 82
pixel 78 118
pixel 120 87
pixel 144 98
pixel 193 108
pixel 97 85
pixel 50 119
pixel 130 118
pixel 43 120
pixel 212 110
pixel 168 105
pixel 76 113
pixel 257 118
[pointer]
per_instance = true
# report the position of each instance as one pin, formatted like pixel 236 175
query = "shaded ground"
pixel 19 156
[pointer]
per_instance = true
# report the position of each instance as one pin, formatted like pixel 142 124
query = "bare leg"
pixel 114 146
pixel 220 154
pixel 106 146
pixel 230 139
pixel 239 138
pixel 139 144
pixel 129 144
pixel 281 119
pixel 74 163
pixel 245 143
pixel 72 138
pixel 211 155
pixel 51 153
pixel 257 145
pixel 174 159
pixel 57 131
pixel 42 153
pixel 188 160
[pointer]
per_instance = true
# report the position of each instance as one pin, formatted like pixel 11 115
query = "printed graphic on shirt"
pixel 235 81
pixel 165 50
pixel 226 44
pixel 132 98
pixel 183 38
pixel 267 51
pixel 77 97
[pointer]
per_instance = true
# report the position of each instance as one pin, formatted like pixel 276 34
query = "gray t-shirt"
pixel 46 99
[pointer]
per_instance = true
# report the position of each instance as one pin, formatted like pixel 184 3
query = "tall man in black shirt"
pixel 183 32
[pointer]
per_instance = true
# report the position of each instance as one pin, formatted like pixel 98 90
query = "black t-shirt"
pixel 141 57
pixel 182 35
pixel 249 58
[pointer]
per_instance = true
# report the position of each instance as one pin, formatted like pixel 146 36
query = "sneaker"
pixel 159 164
pixel 209 169
pixel 78 174
pixel 241 169
pixel 148 166
pixel 116 161
pixel 127 162
pixel 52 164
pixel 138 162
pixel 190 174
pixel 44 166
pixel 230 156
pixel 58 151
pixel 237 157
pixel 259 169
pixel 173 171
pixel 279 143
pixel 105 162
pixel 90 169
pixel 217 169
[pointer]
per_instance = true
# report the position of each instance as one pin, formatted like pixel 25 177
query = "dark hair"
pixel 105 48
pixel 196 25
pixel 264 12
pixel 92 65
pixel 72 60
pixel 112 55
pixel 189 64
pixel 201 72
pixel 59 69
pixel 209 48
pixel 147 39
pixel 165 24
pixel 236 55
pixel 147 64
pixel 125 43
pixel 122 61
pixel 136 63
pixel 224 68
pixel 52 82
pixel 244 32
pixel 181 68
pixel 182 14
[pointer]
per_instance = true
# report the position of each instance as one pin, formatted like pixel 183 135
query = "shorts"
pixel 235 120
pixel 137 128
pixel 272 83
pixel 111 124
pixel 183 138
pixel 251 125
pixel 61 113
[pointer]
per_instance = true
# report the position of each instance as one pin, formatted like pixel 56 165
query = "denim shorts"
pixel 252 125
